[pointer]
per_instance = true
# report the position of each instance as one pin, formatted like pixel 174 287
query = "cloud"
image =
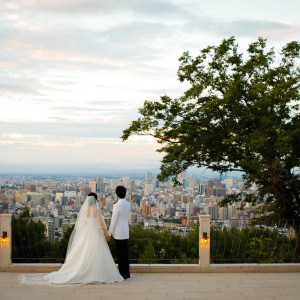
pixel 112 109
pixel 134 32
pixel 18 136
pixel 63 130
pixel 11 6
pixel 80 7
pixel 160 9
pixel 77 48
pixel 239 28
pixel 20 85
pixel 74 73
pixel 253 28
pixel 126 44
pixel 153 8
pixel 104 102
pixel 20 148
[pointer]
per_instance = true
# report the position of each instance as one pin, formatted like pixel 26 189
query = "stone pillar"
pixel 5 249
pixel 204 249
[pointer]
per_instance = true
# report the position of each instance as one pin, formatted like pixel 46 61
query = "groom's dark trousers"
pixel 123 258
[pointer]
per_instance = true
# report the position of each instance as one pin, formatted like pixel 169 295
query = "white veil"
pixel 88 256
pixel 88 218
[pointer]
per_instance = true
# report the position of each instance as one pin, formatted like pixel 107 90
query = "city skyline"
pixel 62 197
pixel 54 204
pixel 74 76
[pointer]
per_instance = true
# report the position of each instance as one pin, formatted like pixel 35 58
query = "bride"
pixel 88 256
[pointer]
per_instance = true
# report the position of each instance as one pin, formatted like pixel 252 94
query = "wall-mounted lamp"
pixel 204 239
pixel 4 239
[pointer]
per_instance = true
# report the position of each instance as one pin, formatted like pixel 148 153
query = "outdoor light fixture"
pixel 205 239
pixel 4 238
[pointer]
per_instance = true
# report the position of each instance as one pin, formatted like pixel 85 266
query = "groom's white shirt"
pixel 119 227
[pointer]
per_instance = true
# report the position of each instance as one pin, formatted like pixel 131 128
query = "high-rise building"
pixel 223 212
pixel 202 188
pixel 170 211
pixel 31 187
pixel 148 177
pixel 213 211
pixel 63 200
pixel 184 198
pixel 36 197
pixel 210 183
pixel 98 187
pixel 131 186
pixel 229 182
pixel 146 210
pixel 58 196
pixel 189 209
pixel 240 183
pixel 148 188
pixel 182 176
pixel 93 186
pixel 113 184
pixel 196 210
pixel 85 190
pixel 231 211
pixel 192 180
pixel 65 225
pixel 21 196
pixel 216 182
pixel 218 192
pixel 50 230
pixel 126 182
pixel 133 218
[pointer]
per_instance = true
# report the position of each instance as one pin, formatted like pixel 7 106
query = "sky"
pixel 74 73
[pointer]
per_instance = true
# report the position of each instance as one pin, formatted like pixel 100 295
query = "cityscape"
pixel 56 201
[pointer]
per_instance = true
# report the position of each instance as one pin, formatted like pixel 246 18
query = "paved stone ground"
pixel 163 286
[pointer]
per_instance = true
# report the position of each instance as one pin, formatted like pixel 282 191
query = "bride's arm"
pixel 102 224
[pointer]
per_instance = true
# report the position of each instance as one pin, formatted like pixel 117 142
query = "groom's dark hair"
pixel 93 194
pixel 121 191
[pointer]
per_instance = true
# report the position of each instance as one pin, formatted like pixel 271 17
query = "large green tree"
pixel 241 112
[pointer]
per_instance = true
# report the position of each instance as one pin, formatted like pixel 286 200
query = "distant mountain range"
pixel 96 170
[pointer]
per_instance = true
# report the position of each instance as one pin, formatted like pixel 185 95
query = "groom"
pixel 119 229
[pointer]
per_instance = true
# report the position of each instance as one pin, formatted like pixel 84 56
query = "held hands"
pixel 108 238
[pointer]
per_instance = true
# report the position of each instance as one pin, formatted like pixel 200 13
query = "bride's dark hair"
pixel 93 194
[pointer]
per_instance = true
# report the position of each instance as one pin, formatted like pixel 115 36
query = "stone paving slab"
pixel 165 286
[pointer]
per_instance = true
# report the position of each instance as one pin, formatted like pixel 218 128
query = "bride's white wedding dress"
pixel 88 257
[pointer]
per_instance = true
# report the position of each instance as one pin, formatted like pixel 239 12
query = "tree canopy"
pixel 241 112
